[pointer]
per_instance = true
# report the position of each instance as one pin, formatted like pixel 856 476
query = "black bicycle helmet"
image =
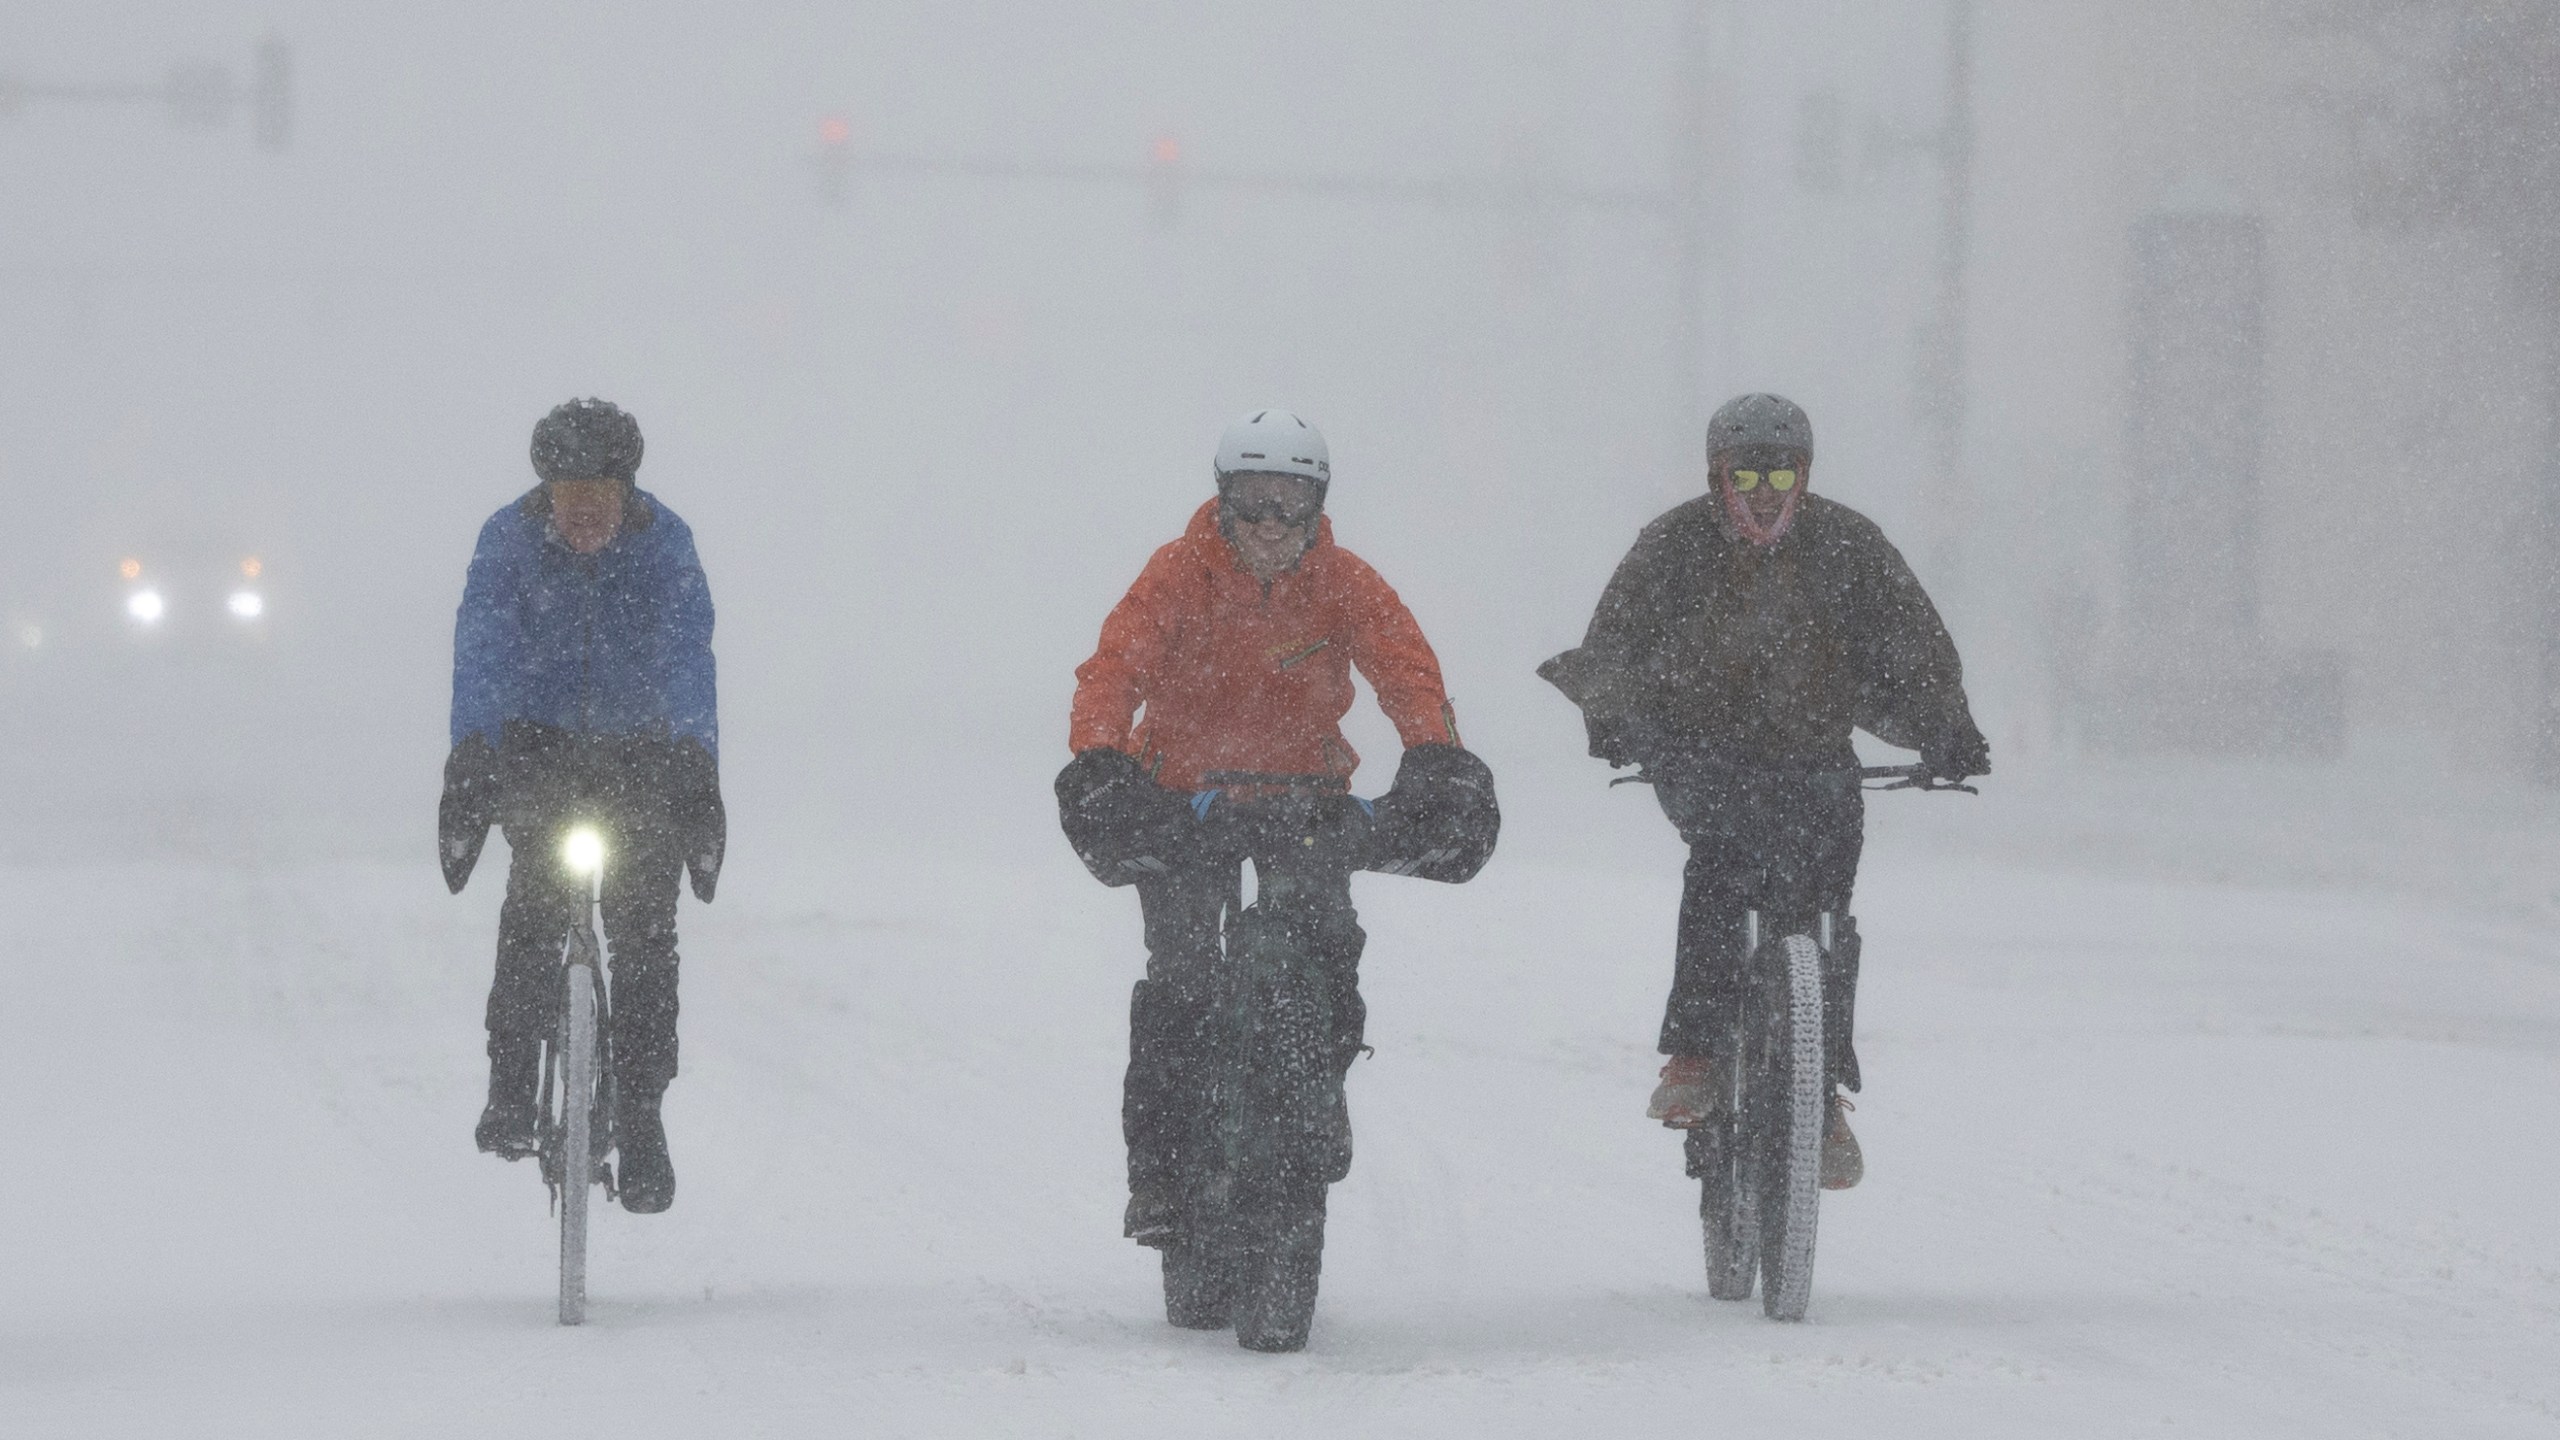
pixel 587 440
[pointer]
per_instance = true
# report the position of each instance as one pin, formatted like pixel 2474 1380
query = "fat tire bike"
pixel 1758 1158
pixel 576 1126
pixel 1274 1131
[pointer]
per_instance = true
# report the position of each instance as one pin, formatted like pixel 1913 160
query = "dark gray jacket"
pixel 1705 644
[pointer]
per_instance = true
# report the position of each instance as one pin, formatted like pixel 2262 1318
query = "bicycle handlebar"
pixel 1911 777
pixel 1905 777
pixel 1293 816
pixel 1262 780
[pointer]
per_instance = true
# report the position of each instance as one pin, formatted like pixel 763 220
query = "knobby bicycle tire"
pixel 1728 1207
pixel 1255 1194
pixel 1789 1078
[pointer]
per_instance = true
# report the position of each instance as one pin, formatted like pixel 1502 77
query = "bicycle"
pixel 1758 1158
pixel 577 1075
pixel 1274 1133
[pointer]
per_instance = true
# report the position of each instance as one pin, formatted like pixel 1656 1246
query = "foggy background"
pixel 2200 355
pixel 931 315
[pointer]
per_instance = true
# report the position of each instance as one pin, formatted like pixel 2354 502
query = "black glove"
pixel 1439 820
pixel 1959 756
pixel 1622 740
pixel 701 820
pixel 468 809
pixel 1120 821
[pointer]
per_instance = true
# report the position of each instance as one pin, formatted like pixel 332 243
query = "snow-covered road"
pixel 2144 1157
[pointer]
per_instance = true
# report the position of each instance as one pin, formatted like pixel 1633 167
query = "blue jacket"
pixel 615 643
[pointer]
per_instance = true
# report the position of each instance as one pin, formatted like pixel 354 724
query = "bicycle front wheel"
pixel 577 1127
pixel 1785 1115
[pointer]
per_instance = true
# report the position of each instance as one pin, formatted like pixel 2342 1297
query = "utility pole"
pixel 1943 369
pixel 1686 198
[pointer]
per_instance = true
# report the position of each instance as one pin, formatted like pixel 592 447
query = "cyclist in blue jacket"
pixel 584 691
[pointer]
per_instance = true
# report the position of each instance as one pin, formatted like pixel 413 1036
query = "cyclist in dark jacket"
pixel 1739 643
pixel 584 691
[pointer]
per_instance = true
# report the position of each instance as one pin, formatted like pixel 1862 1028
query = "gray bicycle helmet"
pixel 1760 422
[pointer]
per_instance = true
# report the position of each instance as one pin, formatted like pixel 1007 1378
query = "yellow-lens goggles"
pixel 1781 481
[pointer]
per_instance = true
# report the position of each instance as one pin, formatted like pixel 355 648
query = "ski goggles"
pixel 1290 513
pixel 1781 480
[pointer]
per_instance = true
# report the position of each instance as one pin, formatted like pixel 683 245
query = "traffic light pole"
pixel 197 95
pixel 1691 152
pixel 1944 403
pixel 1168 178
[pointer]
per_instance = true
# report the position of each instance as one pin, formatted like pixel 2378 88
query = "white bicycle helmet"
pixel 1274 442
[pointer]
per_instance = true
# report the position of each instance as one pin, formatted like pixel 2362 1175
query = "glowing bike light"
pixel 146 606
pixel 583 851
pixel 247 604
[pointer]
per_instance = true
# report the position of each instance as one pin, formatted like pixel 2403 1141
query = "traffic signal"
pixel 834 161
pixel 1164 181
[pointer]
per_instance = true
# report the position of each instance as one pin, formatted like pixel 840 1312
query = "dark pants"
pixel 1784 844
pixel 1172 1020
pixel 639 901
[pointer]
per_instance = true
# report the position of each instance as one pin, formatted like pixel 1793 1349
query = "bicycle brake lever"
pixel 1915 782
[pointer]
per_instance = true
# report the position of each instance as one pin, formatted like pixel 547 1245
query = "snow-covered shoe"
pixel 1842 1165
pixel 1153 1219
pixel 1692 1092
pixel 648 1177
pixel 510 1125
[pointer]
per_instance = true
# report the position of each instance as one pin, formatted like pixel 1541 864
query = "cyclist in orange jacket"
pixel 1233 652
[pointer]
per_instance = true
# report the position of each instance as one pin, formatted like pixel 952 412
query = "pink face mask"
pixel 1747 525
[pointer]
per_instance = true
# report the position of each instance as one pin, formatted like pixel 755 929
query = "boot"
pixel 511 1123
pixel 1692 1092
pixel 1154 1217
pixel 1842 1165
pixel 648 1178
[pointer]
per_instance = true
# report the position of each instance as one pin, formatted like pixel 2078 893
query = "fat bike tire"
pixel 1728 1210
pixel 1276 1303
pixel 1792 1082
pixel 577 1137
pixel 1199 1284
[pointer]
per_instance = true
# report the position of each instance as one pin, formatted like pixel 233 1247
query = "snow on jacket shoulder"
pixel 1234 675
pixel 1766 656
pixel 615 643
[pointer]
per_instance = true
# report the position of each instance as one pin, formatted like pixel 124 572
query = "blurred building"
pixel 2259 465
pixel 2257 334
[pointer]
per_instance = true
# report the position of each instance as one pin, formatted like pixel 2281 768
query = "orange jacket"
pixel 1236 676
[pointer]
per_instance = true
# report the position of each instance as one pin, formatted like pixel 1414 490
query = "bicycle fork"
pixel 582 972
pixel 1836 936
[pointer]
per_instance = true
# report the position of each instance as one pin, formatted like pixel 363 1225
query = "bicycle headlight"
pixel 583 851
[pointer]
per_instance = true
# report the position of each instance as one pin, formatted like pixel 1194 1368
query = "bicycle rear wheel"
pixel 577 1138
pixel 1785 1116
pixel 1728 1208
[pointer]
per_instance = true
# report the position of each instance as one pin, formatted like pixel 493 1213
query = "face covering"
pixel 1749 526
